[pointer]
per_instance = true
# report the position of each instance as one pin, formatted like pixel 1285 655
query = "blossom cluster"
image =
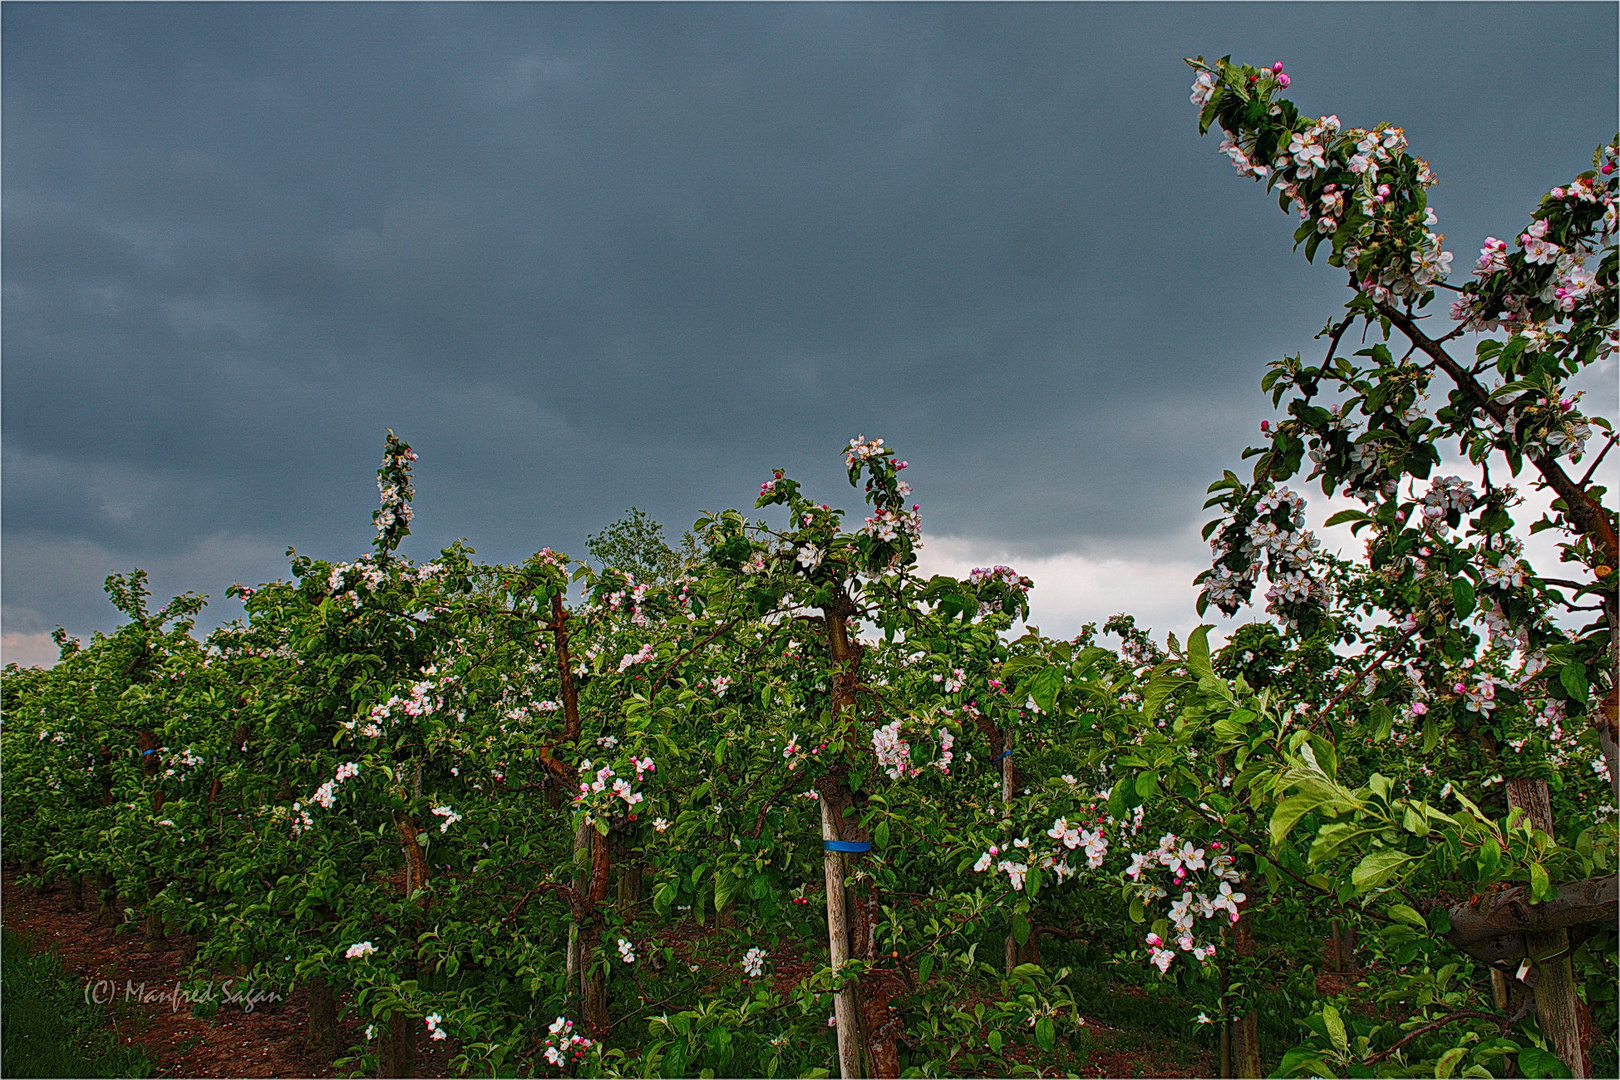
pixel 1181 862
pixel 449 815
pixel 640 656
pixel 1273 534
pixel 1068 837
pixel 433 1020
pixel 1543 275
pixel 893 752
pixel 326 794
pixel 1354 187
pixel 423 700
pixel 753 962
pixel 393 514
pixel 610 786
pixel 891 523
pixel 629 599
pixel 1004 576
pixel 1446 494
pixel 562 1045
pixel 859 450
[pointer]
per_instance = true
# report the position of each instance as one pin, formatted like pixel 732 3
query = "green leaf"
pixel 994 1040
pixel 1335 1026
pixel 925 967
pixel 1448 1062
pixel 1045 1033
pixel 1383 720
pixel 1044 687
pixel 880 834
pixel 1573 678
pixel 1288 813
pixel 1407 915
pixel 1377 868
pixel 1538 1064
pixel 1116 800
pixel 1540 886
pixel 1462 594
pixel 1160 687
pixel 1020 928
pixel 1147 785
pixel 1198 653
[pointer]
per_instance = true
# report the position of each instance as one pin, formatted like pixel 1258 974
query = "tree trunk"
pixel 322 1007
pixel 592 969
pixel 1246 1052
pixel 1342 948
pixel 582 886
pixel 629 884
pixel 396 1054
pixel 1557 1004
pixel 152 932
pixel 107 907
pixel 75 892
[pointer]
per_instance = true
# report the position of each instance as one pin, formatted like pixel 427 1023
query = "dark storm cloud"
pixel 588 256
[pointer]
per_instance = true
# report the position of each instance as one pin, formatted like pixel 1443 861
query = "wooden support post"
pixel 845 1012
pixel 1558 1007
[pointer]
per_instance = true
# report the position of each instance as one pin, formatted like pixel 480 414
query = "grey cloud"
pixel 584 256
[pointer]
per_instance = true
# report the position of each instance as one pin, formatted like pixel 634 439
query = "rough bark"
pixel 593 973
pixel 1246 1031
pixel 107 913
pixel 1491 928
pixel 322 1007
pixel 1557 1004
pixel 396 1053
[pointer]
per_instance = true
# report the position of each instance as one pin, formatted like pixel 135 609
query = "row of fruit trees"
pixel 784 806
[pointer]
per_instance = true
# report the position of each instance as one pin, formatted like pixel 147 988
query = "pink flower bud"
pixel 1265 425
pixel 1418 708
pixel 1608 168
pixel 1277 67
pixel 1155 940
pixel 1383 189
pixel 1557 193
pixel 1283 81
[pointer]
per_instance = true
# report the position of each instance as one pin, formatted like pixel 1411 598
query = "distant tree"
pixel 636 545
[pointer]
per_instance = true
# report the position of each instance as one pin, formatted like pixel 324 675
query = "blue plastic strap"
pixel 145 752
pixel 1004 754
pixel 846 845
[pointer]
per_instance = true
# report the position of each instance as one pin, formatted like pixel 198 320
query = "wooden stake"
pixel 1557 1006
pixel 844 1004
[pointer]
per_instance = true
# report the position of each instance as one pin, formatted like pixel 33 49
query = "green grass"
pixel 46 1026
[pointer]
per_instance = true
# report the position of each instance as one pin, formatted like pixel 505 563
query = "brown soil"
pixel 137 985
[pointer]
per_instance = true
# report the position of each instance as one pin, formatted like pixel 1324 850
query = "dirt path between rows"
pixel 138 986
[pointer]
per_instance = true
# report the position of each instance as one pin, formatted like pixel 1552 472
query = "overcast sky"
pixel 584 257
